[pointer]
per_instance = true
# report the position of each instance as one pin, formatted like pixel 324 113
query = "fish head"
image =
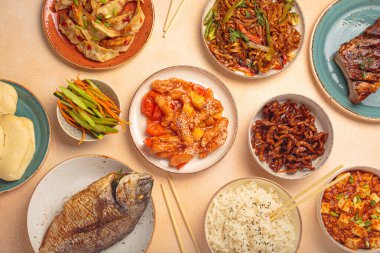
pixel 134 188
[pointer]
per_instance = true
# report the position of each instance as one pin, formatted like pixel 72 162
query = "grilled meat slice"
pixel 359 60
pixel 100 215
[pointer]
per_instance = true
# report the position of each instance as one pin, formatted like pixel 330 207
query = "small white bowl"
pixel 263 183
pixel 322 122
pixel 76 133
pixel 319 203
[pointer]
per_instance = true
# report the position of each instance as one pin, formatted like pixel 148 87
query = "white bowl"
pixel 76 133
pixel 322 122
pixel 264 183
pixel 198 76
pixel 319 203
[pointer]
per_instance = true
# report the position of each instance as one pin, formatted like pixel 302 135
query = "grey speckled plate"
pixel 70 177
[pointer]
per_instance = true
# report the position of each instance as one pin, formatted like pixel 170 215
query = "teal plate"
pixel 341 22
pixel 29 106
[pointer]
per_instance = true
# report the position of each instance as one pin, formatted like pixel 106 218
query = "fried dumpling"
pixel 137 21
pixel 68 28
pixel 121 21
pixel 110 9
pixel 107 31
pixel 120 44
pixel 95 52
pixel 76 14
pixel 63 4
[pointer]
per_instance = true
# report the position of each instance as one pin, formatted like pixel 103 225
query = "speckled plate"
pixel 70 177
pixel 29 106
pixel 68 51
pixel 198 76
pixel 340 22
pixel 300 27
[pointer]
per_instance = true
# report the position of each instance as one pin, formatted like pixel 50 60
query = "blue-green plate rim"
pixel 49 128
pixel 316 76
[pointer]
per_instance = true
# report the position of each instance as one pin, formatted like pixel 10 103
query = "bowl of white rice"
pixel 237 219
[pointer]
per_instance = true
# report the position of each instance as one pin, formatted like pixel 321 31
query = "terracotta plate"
pixel 66 50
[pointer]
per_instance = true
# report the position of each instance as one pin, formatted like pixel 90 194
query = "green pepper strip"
pixel 231 10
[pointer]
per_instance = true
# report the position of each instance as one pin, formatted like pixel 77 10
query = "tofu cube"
pixel 367 177
pixel 359 231
pixel 353 243
pixel 359 207
pixel 325 208
pixel 347 206
pixel 374 242
pixel 343 220
pixel 375 224
pixel 375 197
pixel 341 202
pixel 363 192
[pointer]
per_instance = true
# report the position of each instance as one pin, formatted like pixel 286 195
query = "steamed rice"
pixel 238 221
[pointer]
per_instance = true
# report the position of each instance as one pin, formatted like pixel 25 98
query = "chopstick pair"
pixel 179 204
pixel 291 203
pixel 166 25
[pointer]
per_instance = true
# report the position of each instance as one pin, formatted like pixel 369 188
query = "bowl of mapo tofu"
pixel 349 211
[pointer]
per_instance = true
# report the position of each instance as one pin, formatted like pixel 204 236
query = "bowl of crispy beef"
pixel 349 211
pixel 290 136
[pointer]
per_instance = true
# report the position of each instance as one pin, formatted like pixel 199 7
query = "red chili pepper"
pixel 148 142
pixel 148 105
pixel 154 128
pixel 179 166
pixel 250 36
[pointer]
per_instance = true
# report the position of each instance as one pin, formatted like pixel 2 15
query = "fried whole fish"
pixel 100 215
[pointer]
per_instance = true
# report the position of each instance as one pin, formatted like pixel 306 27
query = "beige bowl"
pixel 264 183
pixel 319 203
pixel 322 122
pixel 76 133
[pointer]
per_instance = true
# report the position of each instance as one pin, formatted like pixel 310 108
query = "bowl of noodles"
pixel 253 38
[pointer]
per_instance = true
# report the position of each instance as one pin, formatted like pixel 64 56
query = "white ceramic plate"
pixel 70 177
pixel 319 204
pixel 76 133
pixel 300 27
pixel 198 76
pixel 263 183
pixel 322 122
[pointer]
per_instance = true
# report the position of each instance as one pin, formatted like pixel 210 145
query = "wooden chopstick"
pixel 173 220
pixel 167 15
pixel 183 213
pixel 277 215
pixel 292 200
pixel 171 21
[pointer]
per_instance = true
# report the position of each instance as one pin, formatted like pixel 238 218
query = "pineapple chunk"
pixel 375 224
pixel 359 231
pixel 353 243
pixel 197 100
pixel 363 192
pixel 325 208
pixel 374 242
pixel 197 133
pixel 218 115
pixel 375 197
pixel 343 220
pixel 188 108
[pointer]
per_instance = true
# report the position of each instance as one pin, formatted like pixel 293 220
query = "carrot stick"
pixel 83 136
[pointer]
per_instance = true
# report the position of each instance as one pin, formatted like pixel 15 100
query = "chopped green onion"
pixel 76 2
pixel 99 17
pixel 340 196
pixel 103 1
pixel 98 21
pixel 351 180
pixel 367 223
pixel 85 23
pixel 372 203
pixel 108 16
pixel 366 186
pixel 334 214
pixel 106 24
pixel 78 27
pixel 357 200
pixel 114 12
pixel 373 216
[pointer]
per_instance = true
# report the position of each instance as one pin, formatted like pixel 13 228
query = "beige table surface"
pixel 26 58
